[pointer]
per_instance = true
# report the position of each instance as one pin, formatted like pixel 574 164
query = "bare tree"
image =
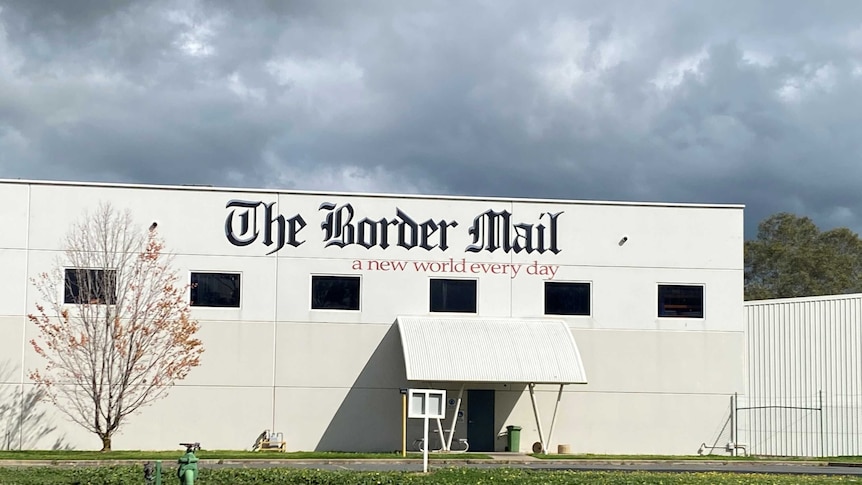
pixel 114 323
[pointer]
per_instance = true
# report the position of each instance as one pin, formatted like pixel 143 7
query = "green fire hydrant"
pixel 188 464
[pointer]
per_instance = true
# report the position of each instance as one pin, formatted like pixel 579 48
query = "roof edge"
pixel 801 299
pixel 209 188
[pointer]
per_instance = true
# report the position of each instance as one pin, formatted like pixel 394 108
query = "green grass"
pixel 64 455
pixel 132 475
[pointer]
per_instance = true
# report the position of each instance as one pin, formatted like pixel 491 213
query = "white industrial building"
pixel 622 322
pixel 804 390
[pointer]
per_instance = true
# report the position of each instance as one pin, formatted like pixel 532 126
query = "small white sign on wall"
pixel 426 403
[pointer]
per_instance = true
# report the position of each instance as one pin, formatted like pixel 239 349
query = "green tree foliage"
pixel 791 257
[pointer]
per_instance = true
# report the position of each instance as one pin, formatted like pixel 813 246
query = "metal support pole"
pixel 158 472
pixel 448 444
pixel 427 445
pixel 536 414
pixel 822 437
pixel 554 417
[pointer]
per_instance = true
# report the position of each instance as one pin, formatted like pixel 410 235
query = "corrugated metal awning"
pixel 513 350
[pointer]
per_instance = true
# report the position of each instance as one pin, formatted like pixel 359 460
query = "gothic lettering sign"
pixel 250 222
pixel 286 230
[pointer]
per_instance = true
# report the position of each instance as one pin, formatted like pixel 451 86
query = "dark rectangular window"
pixel 567 298
pixel 335 292
pixel 457 296
pixel 215 289
pixel 90 286
pixel 680 301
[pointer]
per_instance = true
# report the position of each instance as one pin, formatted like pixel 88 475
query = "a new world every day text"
pixel 460 266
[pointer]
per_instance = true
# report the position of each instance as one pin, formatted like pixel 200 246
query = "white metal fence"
pixel 807 426
pixel 804 382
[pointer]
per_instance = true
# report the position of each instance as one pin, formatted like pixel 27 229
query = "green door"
pixel 480 420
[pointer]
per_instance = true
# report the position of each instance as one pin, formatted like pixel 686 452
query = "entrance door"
pixel 480 419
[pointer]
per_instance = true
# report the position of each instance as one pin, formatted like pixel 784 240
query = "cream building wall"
pixel 330 380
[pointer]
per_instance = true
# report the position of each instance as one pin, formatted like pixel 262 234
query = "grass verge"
pixel 127 475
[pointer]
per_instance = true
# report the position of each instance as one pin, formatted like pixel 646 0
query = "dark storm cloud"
pixel 735 102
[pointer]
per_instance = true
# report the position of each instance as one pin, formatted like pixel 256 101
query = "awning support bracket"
pixel 554 417
pixel 448 442
pixel 536 414
pixel 542 441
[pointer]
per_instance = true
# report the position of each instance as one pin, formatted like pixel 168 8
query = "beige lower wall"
pixel 12 346
pixel 653 392
pixel 339 419
pixel 680 362
pixel 370 420
pixel 625 423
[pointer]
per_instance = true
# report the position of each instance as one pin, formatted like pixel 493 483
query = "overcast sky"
pixel 751 102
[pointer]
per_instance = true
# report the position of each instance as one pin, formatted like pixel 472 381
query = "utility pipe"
pixel 404 422
pixel 733 423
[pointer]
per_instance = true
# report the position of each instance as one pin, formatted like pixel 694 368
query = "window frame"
pixel 475 282
pixel 215 272
pixel 101 299
pixel 589 285
pixel 357 278
pixel 662 313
